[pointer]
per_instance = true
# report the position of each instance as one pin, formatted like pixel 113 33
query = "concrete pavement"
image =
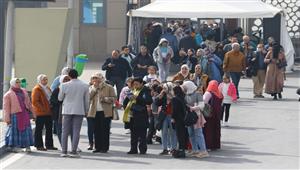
pixel 263 134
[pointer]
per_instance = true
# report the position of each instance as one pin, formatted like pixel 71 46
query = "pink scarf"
pixel 23 116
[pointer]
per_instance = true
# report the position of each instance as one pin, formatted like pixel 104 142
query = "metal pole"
pixel 2 27
pixel 221 29
pixel 70 52
pixel 9 43
pixel 129 29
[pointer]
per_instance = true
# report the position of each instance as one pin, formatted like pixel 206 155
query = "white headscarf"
pixel 61 78
pixel 45 87
pixel 65 71
pixel 188 70
pixel 169 87
pixel 13 82
pixel 189 86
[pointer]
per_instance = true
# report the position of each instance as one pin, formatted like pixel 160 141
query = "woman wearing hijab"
pixel 200 79
pixel 56 106
pixel 169 140
pixel 276 61
pixel 190 60
pixel 194 100
pixel 162 55
pixel 16 107
pixel 212 129
pixel 40 96
pixel 178 107
pixel 183 74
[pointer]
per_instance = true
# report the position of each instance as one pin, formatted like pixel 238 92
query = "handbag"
pixel 207 110
pixel 190 118
pixel 115 114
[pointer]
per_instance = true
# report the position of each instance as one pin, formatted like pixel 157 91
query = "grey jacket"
pixel 75 97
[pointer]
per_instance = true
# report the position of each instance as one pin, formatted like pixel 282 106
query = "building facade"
pixel 99 26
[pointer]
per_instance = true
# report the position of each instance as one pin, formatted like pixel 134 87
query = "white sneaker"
pixel 63 155
pixel 226 124
pixel 74 155
pixel 28 149
pixel 202 155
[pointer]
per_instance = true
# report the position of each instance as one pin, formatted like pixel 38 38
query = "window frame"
pixel 94 24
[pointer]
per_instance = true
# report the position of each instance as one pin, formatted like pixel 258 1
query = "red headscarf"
pixel 213 88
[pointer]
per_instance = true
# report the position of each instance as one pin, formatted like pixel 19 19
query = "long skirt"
pixel 274 79
pixel 16 138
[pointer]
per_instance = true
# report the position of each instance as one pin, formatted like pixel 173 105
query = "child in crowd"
pixel 229 92
pixel 151 75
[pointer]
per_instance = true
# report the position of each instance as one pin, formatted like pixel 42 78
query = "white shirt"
pixel 227 98
pixel 99 105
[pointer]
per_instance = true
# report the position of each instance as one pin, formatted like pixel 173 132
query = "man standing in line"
pixel 117 70
pixel 75 97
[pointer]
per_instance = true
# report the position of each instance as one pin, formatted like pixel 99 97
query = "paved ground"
pixel 263 134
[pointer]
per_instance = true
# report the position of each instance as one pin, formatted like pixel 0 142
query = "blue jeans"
pixel 163 71
pixel 58 126
pixel 197 139
pixel 91 129
pixel 169 138
pixel 236 76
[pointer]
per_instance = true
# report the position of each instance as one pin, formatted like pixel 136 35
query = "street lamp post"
pixel 131 4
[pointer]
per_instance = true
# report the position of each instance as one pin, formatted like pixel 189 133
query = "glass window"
pixel 93 11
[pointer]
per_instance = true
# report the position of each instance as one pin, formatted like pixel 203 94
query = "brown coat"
pixel 180 77
pixel 234 62
pixel 40 104
pixel 274 75
pixel 204 81
pixel 107 96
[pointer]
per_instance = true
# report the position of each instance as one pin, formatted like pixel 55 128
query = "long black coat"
pixel 139 109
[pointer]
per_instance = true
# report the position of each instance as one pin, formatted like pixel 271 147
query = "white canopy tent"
pixel 214 9
pixel 206 9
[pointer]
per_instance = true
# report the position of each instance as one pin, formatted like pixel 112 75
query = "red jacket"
pixel 231 91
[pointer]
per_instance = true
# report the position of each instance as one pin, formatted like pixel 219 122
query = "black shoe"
pixel 132 152
pixel 279 96
pixel 103 151
pixel 51 148
pixel 179 154
pixel 149 142
pixel 142 153
pixel 96 151
pixel 275 97
pixel 90 147
pixel 164 152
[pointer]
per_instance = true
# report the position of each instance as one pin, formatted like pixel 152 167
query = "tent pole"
pixel 221 29
pixel 129 29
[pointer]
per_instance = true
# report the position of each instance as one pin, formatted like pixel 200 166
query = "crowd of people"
pixel 186 109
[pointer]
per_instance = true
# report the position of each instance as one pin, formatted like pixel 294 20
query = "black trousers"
pixel 138 139
pixel 40 122
pixel 151 130
pixel 102 131
pixel 119 82
pixel 181 135
pixel 225 108
pixel 91 129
